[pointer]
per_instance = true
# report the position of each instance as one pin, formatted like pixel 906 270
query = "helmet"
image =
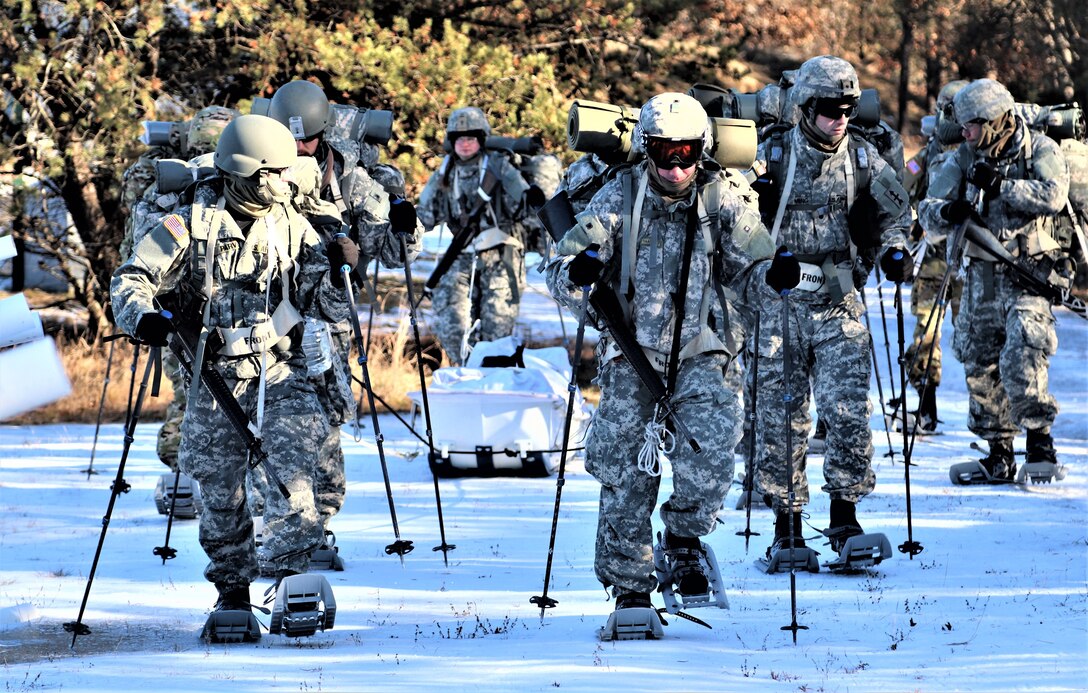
pixel 984 99
pixel 825 77
pixel 205 128
pixel 250 143
pixel 671 116
pixel 302 106
pixel 469 120
pixel 948 91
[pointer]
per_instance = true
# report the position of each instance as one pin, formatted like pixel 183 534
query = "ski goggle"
pixel 672 153
pixel 833 109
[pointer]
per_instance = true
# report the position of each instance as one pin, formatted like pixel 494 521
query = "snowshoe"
pixel 997 468
pixel 1041 466
pixel 856 550
pixel 784 556
pixel 327 556
pixel 232 620
pixel 688 572
pixel 186 501
pixel 635 618
pixel 303 605
pixel 920 423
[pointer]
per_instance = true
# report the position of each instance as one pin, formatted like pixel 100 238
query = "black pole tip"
pixel 747 533
pixel 444 547
pixel 399 547
pixel 166 552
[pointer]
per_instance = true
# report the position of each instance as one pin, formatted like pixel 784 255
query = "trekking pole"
pixel 444 547
pixel 787 398
pixel 543 600
pixel 119 485
pixel 399 546
pixel 749 465
pixel 910 546
pixel 888 347
pixel 101 405
pixel 876 374
pixel 373 300
pixel 165 551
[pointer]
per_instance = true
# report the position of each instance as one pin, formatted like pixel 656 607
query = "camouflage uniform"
pixel 927 281
pixel 583 179
pixel 493 265
pixel 731 235
pixel 1004 335
pixel 828 342
pixel 338 182
pixel 171 260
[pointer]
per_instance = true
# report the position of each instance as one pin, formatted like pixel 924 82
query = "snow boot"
pixel 817 444
pixel 782 556
pixel 635 618
pixel 327 556
pixel 854 548
pixel 922 421
pixel 303 605
pixel 686 567
pixel 232 619
pixel 999 467
pixel 1042 465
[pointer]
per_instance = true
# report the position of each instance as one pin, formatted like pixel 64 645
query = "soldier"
pixel 341 189
pixel 809 181
pixel 267 272
pixel 924 352
pixel 146 203
pixel 486 280
pixel 1012 181
pixel 672 210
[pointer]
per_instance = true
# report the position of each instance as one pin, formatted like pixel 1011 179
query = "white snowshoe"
pixel 1040 472
pixel 186 501
pixel 327 556
pixel 856 552
pixel 926 425
pixel 668 579
pixel 746 497
pixel 635 618
pixel 974 473
pixel 304 604
pixel 782 559
pixel 232 621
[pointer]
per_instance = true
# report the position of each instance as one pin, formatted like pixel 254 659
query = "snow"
pixel 997 600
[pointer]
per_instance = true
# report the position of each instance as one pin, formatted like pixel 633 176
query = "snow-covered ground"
pixel 997 600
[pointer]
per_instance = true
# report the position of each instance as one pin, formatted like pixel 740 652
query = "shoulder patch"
pixel 176 226
pixel 914 167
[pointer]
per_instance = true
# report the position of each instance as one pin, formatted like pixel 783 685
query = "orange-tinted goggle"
pixel 670 153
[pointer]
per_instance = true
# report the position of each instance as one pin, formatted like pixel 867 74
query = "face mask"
pixel 995 135
pixel 948 130
pixel 256 195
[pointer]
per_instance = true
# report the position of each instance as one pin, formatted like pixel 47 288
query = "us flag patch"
pixel 176 227
pixel 914 167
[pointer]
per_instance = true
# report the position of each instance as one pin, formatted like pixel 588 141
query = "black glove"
pixel 585 268
pixel 534 197
pixel 341 251
pixel 402 216
pixel 784 272
pixel 985 178
pixel 956 211
pixel 897 265
pixel 154 329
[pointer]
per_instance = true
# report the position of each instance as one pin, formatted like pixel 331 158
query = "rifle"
pixel 464 228
pixel 557 216
pixel 1028 274
pixel 182 343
